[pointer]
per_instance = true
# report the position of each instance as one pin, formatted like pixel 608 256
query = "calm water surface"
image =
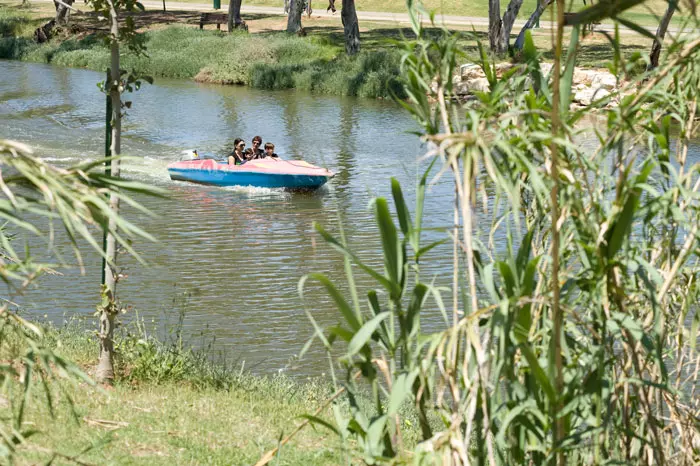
pixel 230 259
pixel 238 253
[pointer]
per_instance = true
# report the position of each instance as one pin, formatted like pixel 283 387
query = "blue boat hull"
pixel 247 178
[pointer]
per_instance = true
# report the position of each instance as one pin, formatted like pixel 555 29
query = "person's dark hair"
pixel 236 142
pixel 257 138
pixel 269 145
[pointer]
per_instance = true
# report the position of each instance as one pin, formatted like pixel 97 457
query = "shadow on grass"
pixel 153 18
pixel 598 55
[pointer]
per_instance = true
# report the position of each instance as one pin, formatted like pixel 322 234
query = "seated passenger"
pixel 270 151
pixel 237 157
pixel 255 152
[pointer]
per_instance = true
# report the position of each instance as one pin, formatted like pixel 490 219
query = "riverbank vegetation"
pixel 263 61
pixel 267 58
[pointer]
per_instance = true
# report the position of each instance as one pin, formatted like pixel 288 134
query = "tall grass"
pixel 263 61
pixel 574 341
pixel 15 22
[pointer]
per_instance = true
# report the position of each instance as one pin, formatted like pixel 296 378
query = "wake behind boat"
pixel 264 173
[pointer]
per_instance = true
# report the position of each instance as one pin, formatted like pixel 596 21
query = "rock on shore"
pixel 589 84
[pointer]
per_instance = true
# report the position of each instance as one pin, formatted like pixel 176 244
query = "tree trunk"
pixel 62 11
pixel 534 17
pixel 660 34
pixel 507 25
pixel 234 15
pixel 348 15
pixel 296 7
pixel 499 28
pixel 494 23
pixel 105 366
pixel 43 33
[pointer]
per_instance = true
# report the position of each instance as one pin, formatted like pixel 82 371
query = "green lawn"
pixel 174 424
pixel 169 406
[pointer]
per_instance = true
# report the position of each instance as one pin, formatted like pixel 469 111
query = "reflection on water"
pixel 239 252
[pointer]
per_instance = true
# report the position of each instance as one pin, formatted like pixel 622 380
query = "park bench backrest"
pixel 213 18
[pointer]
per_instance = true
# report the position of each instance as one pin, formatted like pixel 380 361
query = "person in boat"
pixel 256 151
pixel 270 151
pixel 238 156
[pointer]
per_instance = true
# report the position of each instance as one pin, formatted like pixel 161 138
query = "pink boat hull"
pixel 266 173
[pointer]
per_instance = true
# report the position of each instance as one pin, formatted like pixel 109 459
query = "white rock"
pixel 589 94
pixel 470 71
pixel 545 68
pixel 474 85
pixel 503 67
pixel 584 77
pixel 583 96
pixel 604 80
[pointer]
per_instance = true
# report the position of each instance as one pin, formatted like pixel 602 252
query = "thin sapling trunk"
pixel 105 366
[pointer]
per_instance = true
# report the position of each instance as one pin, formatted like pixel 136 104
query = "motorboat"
pixel 262 173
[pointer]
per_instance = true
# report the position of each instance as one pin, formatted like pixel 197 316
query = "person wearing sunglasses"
pixel 238 156
pixel 256 151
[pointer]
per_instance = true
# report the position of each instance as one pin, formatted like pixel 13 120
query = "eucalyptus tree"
pixel 661 34
pixel 296 8
pixel 531 21
pixel 63 9
pixel 351 29
pixel 500 27
pixel 234 15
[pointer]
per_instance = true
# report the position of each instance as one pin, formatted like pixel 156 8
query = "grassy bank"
pixel 267 58
pixel 169 406
pixel 265 61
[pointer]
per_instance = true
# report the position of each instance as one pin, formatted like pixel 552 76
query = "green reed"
pixel 575 342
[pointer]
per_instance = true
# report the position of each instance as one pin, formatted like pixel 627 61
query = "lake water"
pixel 237 253
pixel 229 258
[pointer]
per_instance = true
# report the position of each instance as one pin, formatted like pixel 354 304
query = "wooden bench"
pixel 213 18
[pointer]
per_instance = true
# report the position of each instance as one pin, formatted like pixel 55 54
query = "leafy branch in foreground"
pixel 576 341
pixel 44 201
